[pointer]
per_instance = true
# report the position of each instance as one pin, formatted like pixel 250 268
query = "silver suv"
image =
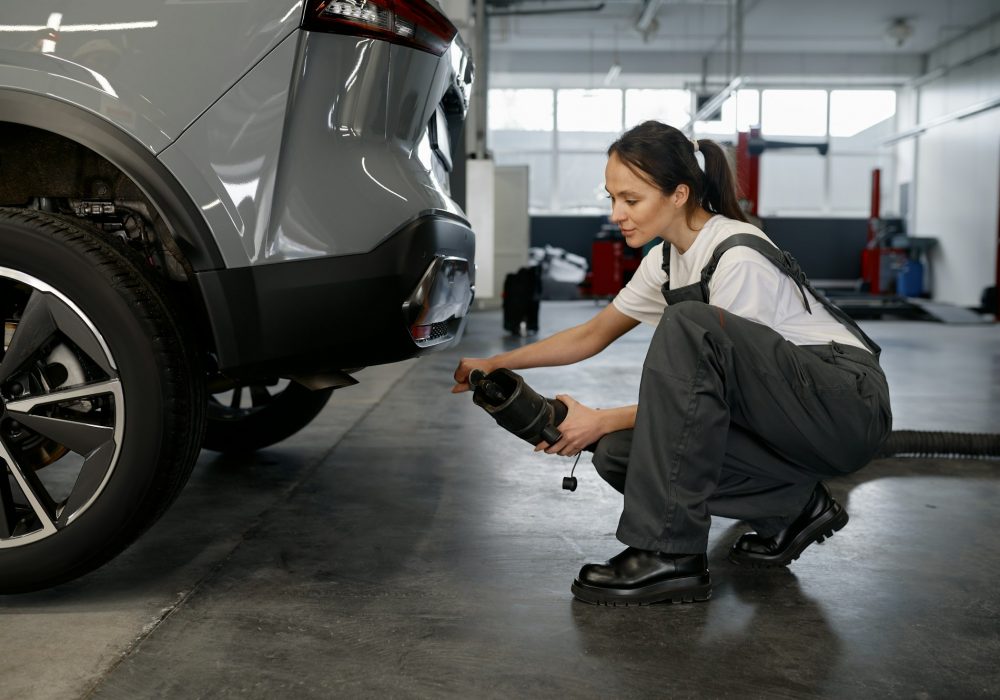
pixel 210 215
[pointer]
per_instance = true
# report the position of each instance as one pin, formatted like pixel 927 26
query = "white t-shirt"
pixel 745 283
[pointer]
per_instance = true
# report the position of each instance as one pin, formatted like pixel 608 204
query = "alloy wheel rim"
pixel 62 411
pixel 244 400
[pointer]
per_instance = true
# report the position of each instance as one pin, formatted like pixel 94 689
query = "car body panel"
pixel 122 59
pixel 335 312
pixel 228 159
pixel 291 168
pixel 316 165
pixel 350 178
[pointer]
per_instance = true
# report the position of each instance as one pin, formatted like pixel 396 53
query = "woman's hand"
pixel 465 367
pixel 582 426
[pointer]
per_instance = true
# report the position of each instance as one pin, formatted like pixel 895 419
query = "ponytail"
pixel 666 158
pixel 721 195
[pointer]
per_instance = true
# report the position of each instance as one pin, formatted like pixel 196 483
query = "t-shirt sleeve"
pixel 748 285
pixel 641 298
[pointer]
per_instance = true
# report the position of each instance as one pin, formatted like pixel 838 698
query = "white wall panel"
pixel 791 183
pixel 480 177
pixel 958 176
pixel 850 184
pixel 512 228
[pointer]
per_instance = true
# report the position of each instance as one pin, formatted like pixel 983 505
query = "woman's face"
pixel 640 209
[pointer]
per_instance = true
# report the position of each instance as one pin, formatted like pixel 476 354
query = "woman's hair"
pixel 664 157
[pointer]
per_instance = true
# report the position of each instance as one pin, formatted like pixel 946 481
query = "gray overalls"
pixel 734 420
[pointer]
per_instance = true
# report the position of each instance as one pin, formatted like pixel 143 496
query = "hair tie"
pixel 695 142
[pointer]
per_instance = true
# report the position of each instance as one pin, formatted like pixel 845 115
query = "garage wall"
pixel 956 170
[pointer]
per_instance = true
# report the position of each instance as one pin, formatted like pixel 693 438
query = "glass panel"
pixel 590 110
pixel 539 176
pixel 671 107
pixel 850 183
pixel 505 140
pixel 747 109
pixel 791 182
pixel 597 141
pixel 793 113
pixel 520 110
pixel 854 111
pixel 581 183
pixel 739 112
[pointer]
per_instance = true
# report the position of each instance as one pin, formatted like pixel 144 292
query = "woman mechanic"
pixel 754 388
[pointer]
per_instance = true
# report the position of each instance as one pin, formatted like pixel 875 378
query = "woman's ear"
pixel 680 195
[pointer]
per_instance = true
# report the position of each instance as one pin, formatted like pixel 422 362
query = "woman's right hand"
pixel 465 367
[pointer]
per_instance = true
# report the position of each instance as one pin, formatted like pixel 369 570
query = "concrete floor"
pixel 403 546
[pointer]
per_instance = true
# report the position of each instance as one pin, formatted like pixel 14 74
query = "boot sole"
pixel 691 589
pixel 820 529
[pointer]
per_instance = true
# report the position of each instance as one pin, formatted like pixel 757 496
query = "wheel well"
pixel 42 170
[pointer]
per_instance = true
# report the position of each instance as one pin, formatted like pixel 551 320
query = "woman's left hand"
pixel 582 426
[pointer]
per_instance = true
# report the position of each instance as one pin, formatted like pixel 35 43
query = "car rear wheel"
pixel 252 416
pixel 101 400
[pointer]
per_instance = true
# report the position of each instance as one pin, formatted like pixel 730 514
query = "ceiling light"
pixel 899 31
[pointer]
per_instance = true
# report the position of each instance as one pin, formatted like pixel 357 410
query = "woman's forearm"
pixel 564 348
pixel 571 345
pixel 622 418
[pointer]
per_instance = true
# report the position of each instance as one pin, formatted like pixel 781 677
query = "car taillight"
pixel 409 22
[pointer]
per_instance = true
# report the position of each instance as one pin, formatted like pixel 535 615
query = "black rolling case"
pixel 522 292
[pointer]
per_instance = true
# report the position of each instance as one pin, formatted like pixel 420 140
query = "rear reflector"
pixel 413 23
pixel 423 335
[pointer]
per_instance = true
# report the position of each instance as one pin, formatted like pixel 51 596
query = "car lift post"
pixel 748 170
pixel 871 256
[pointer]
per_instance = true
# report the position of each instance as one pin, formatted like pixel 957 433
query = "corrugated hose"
pixel 922 443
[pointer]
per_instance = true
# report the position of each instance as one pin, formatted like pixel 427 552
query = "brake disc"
pixel 60 368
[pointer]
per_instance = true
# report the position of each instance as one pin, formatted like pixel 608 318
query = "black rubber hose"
pixel 920 443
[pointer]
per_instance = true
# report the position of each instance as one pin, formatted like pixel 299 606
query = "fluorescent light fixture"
pixel 964 113
pixel 613 72
pixel 713 104
pixel 647 15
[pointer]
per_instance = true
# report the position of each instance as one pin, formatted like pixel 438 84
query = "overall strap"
pixel 689 292
pixel 780 259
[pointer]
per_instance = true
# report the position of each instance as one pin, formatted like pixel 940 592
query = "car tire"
pixel 253 416
pixel 102 399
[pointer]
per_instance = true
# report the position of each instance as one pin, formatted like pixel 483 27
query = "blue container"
pixel 910 280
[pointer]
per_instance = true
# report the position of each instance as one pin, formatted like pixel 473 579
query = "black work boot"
pixel 821 517
pixel 640 577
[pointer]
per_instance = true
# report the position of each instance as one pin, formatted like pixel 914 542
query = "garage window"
pixel 854 111
pixel 520 110
pixel 793 113
pixel 668 106
pixel 739 112
pixel 590 110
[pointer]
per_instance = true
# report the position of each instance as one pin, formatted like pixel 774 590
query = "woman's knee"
pixel 611 457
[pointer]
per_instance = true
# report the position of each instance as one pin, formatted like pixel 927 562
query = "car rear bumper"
pixel 407 297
